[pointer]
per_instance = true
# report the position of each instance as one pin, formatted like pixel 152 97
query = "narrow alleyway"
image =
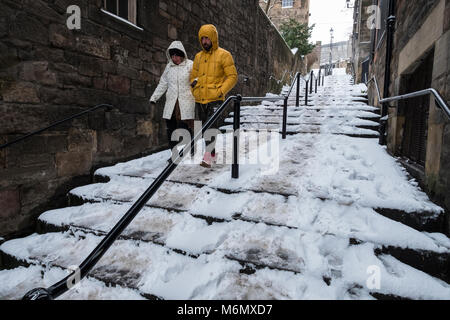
pixel 320 219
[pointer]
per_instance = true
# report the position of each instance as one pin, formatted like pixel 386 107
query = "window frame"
pixel 287 6
pixel 132 11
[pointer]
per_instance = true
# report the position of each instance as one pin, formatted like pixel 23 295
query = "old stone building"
pixel 49 72
pixel 361 39
pixel 283 10
pixel 418 131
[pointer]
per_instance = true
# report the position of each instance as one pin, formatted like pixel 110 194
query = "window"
pixel 287 3
pixel 125 9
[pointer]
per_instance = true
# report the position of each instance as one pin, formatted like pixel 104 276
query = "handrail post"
pixel 285 118
pixel 306 93
pixel 311 82
pixel 320 75
pixel 236 129
pixel 316 86
pixel 297 100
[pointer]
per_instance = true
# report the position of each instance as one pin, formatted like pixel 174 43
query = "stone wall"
pixel 48 72
pixel 421 27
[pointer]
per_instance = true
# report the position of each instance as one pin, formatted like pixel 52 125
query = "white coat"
pixel 175 81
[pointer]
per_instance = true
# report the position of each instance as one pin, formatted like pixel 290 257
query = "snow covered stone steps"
pixel 27 276
pixel 328 263
pixel 350 131
pixel 330 107
pixel 242 257
pixel 428 221
pixel 422 258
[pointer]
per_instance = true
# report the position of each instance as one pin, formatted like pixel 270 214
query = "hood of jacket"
pixel 176 45
pixel 210 31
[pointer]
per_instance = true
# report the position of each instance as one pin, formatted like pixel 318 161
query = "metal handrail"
pixel 107 106
pixel 64 285
pixel 437 96
pixel 86 266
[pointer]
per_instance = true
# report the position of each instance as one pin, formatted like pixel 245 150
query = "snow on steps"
pixel 330 267
pixel 205 236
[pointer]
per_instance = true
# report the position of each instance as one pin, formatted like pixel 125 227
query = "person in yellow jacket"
pixel 213 75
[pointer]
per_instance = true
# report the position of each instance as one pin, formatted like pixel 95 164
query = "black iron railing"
pixel 438 98
pixel 86 266
pixel 10 143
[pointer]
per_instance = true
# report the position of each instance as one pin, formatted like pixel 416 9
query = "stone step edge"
pixel 291 133
pixel 98 178
pixel 420 220
pixel 416 255
pixel 437 264
pixel 14 262
pixel 247 268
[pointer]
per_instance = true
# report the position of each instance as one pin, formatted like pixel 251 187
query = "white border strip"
pixel 121 19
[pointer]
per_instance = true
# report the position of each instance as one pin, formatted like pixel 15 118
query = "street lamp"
pixel 331 51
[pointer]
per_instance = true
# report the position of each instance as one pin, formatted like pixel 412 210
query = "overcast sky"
pixel 327 14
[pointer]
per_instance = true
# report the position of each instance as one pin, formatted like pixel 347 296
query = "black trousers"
pixel 176 123
pixel 203 113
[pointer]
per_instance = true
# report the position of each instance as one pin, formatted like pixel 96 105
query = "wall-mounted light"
pixel 350 6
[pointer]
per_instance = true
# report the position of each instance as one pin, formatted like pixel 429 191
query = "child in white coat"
pixel 179 110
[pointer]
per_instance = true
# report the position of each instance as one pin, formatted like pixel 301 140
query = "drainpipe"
pixel 390 29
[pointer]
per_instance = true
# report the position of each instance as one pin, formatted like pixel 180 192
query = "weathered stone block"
pixel 172 32
pixel 109 143
pixel 57 96
pixel 145 76
pixel 138 88
pixel 26 27
pixel 99 83
pixel 145 55
pixel 61 37
pixel 22 92
pixel 82 140
pixel 127 72
pixel 73 163
pixel 38 71
pixel 145 127
pixel 119 84
pixel 93 46
pixel 89 66
pixel 9 203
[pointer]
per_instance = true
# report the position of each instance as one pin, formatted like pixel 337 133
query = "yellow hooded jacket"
pixel 214 69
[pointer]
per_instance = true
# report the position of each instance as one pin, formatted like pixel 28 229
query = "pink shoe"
pixel 207 160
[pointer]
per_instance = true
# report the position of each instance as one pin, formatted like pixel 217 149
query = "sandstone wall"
pixel 48 72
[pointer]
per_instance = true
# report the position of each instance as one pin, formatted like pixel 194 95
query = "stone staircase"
pixel 310 231
pixel 331 110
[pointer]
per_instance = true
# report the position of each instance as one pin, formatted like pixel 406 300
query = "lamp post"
pixel 331 52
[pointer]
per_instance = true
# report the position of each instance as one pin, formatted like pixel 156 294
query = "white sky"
pixel 327 14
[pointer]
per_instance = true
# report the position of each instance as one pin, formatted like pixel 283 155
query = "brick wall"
pixel 48 72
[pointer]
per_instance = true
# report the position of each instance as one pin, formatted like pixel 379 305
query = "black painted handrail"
pixel 107 106
pixel 86 266
pixel 437 96
pixel 65 284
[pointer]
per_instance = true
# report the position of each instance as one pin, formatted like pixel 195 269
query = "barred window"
pixel 125 9
pixel 287 3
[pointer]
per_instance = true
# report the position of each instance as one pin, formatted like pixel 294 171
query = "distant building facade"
pixel 340 52
pixel 283 10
